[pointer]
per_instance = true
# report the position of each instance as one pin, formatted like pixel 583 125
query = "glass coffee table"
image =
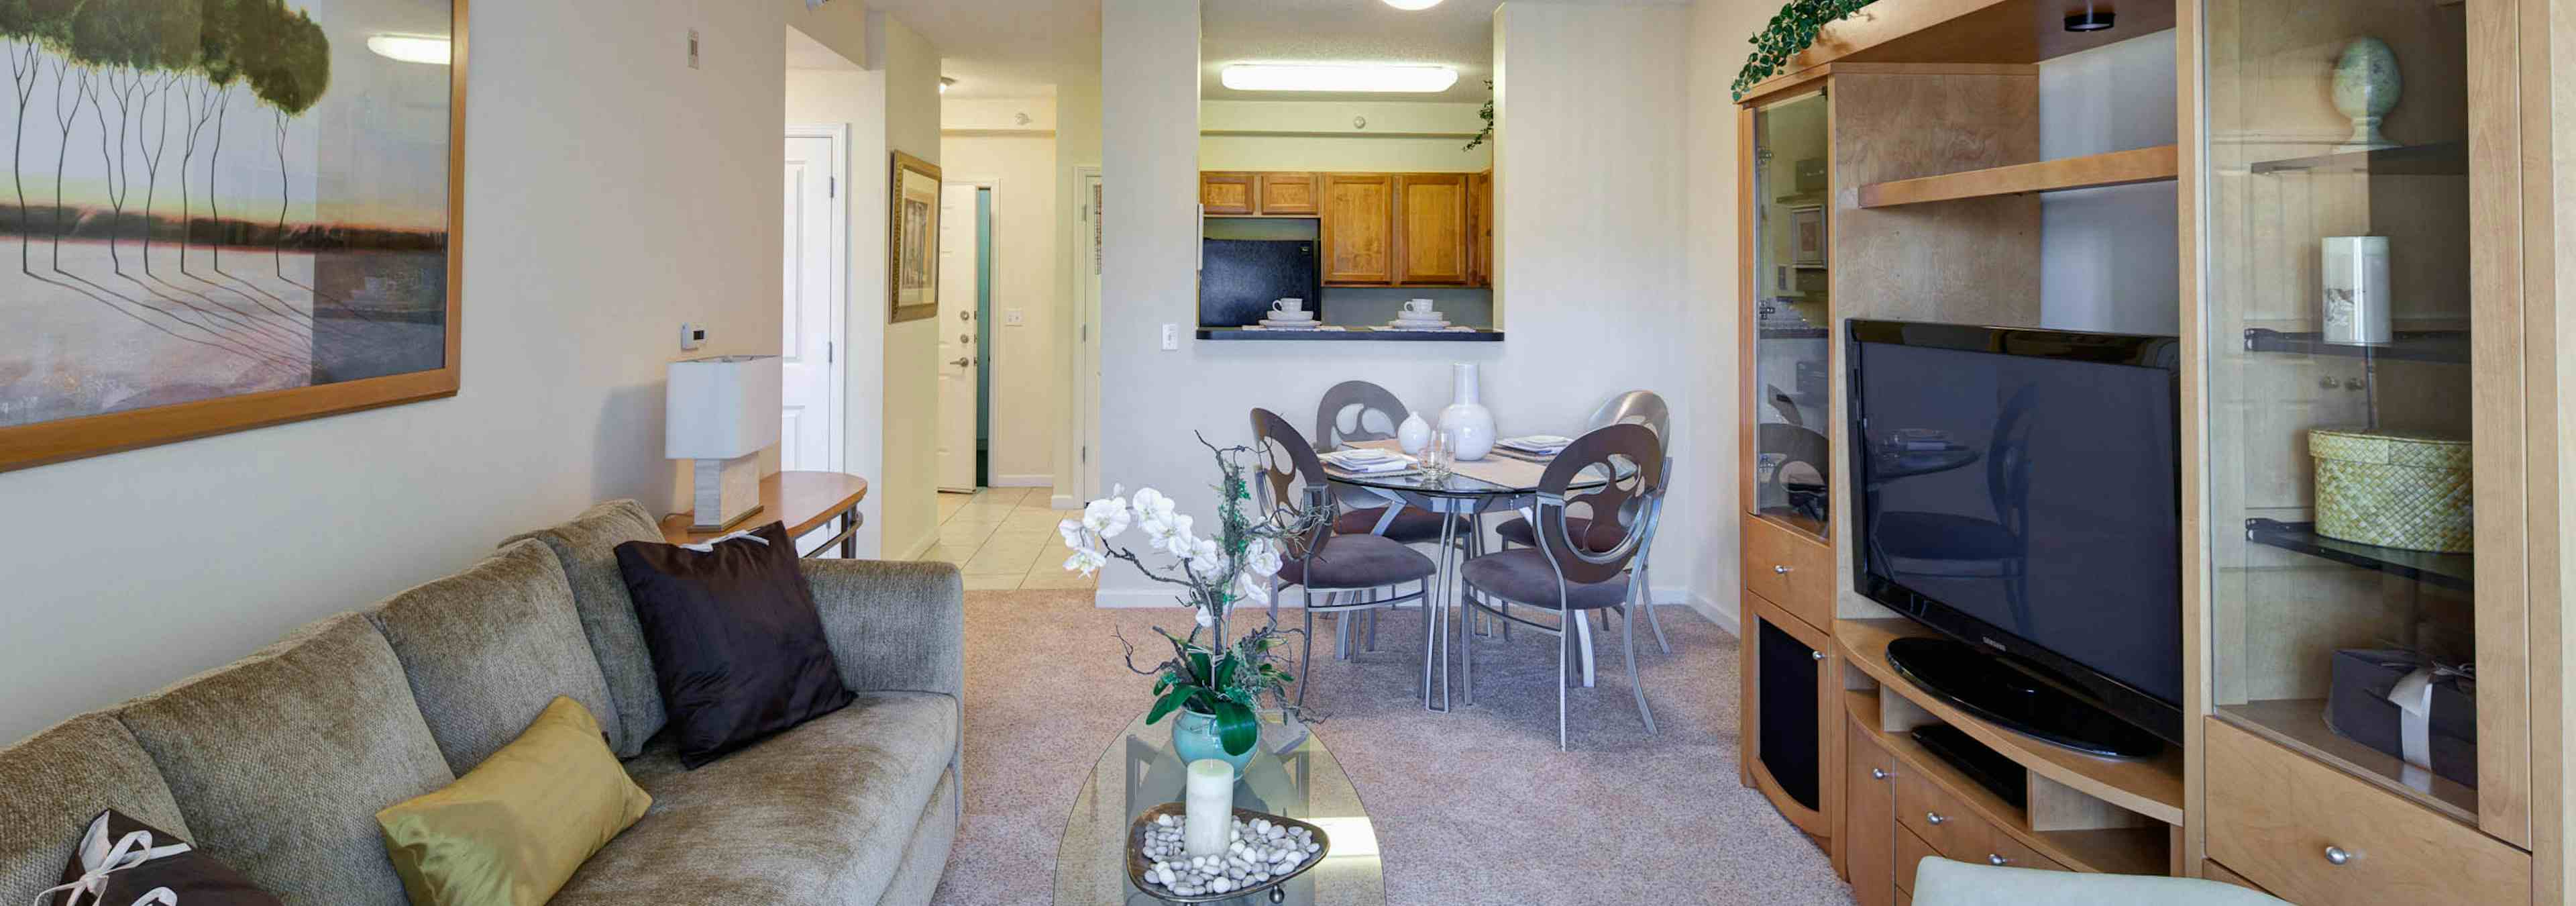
pixel 1138 771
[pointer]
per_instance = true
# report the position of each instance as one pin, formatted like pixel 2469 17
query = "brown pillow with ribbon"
pixel 124 862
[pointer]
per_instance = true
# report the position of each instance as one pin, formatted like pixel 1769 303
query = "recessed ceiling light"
pixel 1413 4
pixel 1330 77
pixel 2089 20
pixel 410 48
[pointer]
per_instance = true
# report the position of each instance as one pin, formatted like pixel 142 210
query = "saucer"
pixel 1276 315
pixel 1290 325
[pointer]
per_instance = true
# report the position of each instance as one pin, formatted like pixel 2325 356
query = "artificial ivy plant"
pixel 1790 32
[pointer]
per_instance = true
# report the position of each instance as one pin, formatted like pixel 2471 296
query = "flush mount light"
pixel 410 48
pixel 1412 4
pixel 2089 20
pixel 1328 77
pixel 944 82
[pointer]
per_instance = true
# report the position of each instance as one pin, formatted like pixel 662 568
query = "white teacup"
pixel 1420 307
pixel 1288 306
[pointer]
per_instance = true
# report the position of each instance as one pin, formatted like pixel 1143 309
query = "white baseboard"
pixel 1063 502
pixel 1135 598
pixel 1022 481
pixel 919 548
pixel 1724 617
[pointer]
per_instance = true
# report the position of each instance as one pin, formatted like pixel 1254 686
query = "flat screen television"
pixel 2020 492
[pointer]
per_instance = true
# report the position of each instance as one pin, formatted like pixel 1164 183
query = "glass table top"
pixel 1138 771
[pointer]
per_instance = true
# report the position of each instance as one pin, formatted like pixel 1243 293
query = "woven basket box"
pixel 2394 489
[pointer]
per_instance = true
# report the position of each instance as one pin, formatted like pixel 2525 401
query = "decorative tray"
pixel 1140 868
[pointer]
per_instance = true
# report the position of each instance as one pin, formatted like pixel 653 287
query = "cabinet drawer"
pixel 1789 569
pixel 2281 820
pixel 1940 819
pixel 1910 851
pixel 2014 855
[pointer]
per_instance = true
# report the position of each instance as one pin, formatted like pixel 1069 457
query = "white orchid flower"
pixel 1262 560
pixel 1205 621
pixel 1106 517
pixel 1152 506
pixel 1074 533
pixel 1253 589
pixel 1205 559
pixel 1086 561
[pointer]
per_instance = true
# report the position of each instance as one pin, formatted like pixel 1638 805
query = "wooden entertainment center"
pixel 1895 171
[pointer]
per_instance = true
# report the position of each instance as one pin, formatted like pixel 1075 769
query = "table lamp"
pixel 722 411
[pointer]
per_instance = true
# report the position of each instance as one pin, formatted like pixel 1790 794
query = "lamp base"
pixel 724 492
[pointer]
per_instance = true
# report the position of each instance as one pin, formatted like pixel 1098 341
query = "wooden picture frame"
pixel 912 239
pixel 68 438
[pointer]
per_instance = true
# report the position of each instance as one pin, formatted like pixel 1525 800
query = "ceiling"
pixel 1006 48
pixel 806 53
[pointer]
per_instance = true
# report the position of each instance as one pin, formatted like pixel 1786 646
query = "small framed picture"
pixel 913 240
pixel 1807 232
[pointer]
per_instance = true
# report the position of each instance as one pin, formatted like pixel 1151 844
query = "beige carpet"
pixel 1471 807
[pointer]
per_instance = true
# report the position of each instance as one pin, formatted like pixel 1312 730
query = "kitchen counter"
pixel 1353 335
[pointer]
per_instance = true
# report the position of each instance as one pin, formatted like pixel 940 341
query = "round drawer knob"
pixel 2336 855
pixel 1997 860
pixel 1934 817
pixel 1782 570
pixel 1879 774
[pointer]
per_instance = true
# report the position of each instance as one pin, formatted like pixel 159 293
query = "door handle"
pixel 962 362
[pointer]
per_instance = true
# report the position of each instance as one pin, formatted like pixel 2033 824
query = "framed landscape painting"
pixel 225 214
pixel 913 239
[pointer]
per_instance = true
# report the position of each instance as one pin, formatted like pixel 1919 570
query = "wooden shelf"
pixel 2125 851
pixel 1965 32
pixel 2118 168
pixel 2150 787
pixel 2300 724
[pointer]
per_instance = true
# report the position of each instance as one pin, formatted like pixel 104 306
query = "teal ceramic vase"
pixel 1194 737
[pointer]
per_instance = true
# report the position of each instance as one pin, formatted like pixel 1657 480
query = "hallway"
pixel 1004 539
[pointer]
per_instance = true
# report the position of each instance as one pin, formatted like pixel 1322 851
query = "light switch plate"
pixel 1013 317
pixel 693 48
pixel 1171 337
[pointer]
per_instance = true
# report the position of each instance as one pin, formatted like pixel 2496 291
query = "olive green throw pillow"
pixel 515 828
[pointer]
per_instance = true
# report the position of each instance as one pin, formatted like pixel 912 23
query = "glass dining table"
pixel 1472 488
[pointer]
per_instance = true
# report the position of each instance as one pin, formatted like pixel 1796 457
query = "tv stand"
pixel 2008 693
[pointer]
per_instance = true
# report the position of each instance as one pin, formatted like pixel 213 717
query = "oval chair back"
pixel 1636 407
pixel 1352 403
pixel 1290 471
pixel 1623 510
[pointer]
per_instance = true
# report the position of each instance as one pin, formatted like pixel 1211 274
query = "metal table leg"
pixel 850 533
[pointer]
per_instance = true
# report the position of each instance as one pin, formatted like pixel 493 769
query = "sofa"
pixel 277 763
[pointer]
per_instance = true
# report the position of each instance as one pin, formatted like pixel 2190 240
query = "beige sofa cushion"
pixel 60 779
pixel 819 814
pixel 587 547
pixel 488 648
pixel 281 760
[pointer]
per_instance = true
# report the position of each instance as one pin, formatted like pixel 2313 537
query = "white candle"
pixel 1209 815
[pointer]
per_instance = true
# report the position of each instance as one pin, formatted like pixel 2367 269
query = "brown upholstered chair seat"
pixel 1358 561
pixel 1523 576
pixel 1516 530
pixel 1413 524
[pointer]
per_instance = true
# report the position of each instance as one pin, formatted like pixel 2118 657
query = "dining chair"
pixel 1967 546
pixel 1941 882
pixel 1573 573
pixel 1352 571
pixel 1351 411
pixel 1635 407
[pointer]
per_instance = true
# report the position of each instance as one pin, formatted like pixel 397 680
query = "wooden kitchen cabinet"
pixel 1431 229
pixel 1290 194
pixel 1228 193
pixel 1480 229
pixel 1359 228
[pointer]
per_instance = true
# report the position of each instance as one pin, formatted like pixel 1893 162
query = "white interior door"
pixel 810 436
pixel 957 327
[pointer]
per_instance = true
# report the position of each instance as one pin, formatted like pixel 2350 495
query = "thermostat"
pixel 692 336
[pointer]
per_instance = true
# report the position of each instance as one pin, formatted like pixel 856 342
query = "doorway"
pixel 815 293
pixel 965 304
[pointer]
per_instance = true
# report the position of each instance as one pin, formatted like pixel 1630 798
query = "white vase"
pixel 1466 427
pixel 1414 434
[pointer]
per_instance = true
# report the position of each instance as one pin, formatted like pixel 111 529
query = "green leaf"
pixel 1237 728
pixel 1200 671
pixel 1169 701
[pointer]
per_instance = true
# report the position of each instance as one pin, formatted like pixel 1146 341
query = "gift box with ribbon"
pixel 2404 705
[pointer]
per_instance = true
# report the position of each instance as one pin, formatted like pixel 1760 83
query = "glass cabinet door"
pixel 2338 307
pixel 1792 313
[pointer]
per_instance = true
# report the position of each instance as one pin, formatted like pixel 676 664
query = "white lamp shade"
pixel 721 407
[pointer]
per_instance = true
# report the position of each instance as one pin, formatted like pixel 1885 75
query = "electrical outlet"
pixel 1171 337
pixel 1013 317
pixel 693 48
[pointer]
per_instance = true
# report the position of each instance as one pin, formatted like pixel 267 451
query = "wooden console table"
pixel 802 500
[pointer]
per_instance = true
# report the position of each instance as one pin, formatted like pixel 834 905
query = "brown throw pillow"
pixel 738 648
pixel 121 860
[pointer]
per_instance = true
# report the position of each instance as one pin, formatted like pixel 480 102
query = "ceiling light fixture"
pixel 944 82
pixel 2089 20
pixel 1411 5
pixel 1331 77
pixel 410 48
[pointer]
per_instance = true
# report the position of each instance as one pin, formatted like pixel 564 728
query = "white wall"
pixel 1077 145
pixel 1592 257
pixel 2107 259
pixel 908 487
pixel 1027 371
pixel 856 98
pixel 1400 137
pixel 129 571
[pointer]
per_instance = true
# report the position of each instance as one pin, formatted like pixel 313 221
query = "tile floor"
pixel 1004 538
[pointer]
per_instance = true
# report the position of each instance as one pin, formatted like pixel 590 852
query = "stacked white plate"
pixel 1367 461
pixel 1290 325
pixel 1291 320
pixel 1410 321
pixel 1535 444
